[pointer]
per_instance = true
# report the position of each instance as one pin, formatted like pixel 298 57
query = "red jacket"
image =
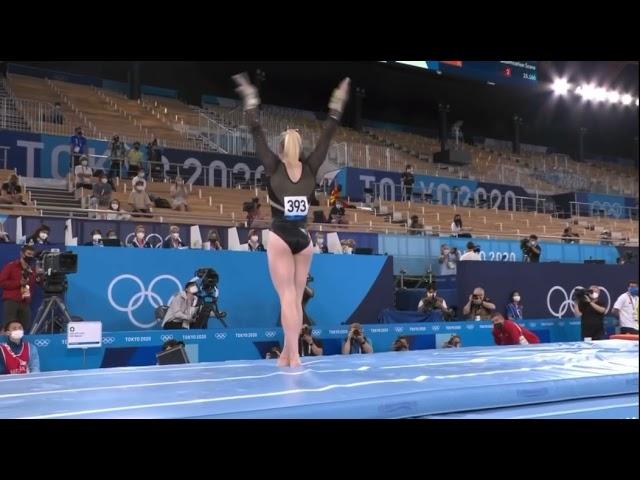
pixel 510 333
pixel 10 278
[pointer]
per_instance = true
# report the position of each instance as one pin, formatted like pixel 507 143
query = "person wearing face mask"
pixel 320 244
pixel 448 260
pixel 456 225
pixel 179 194
pixel 173 240
pixel 515 307
pixel 214 240
pixel 347 246
pixel 112 235
pixel 531 250
pixel 96 239
pixel 182 310
pixel 506 332
pixel 78 147
pixel 102 192
pixel 337 214
pixel 116 156
pixel 254 243
pixel 40 236
pixel 139 178
pixel 84 174
pixel 626 309
pixel 134 159
pixel 17 280
pixel 432 304
pixel 139 239
pixel 115 212
pixel 139 201
pixel 592 309
pixel 479 306
pixel 17 356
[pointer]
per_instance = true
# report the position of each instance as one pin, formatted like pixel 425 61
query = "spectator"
pixel 273 353
pixel 182 310
pixel 139 201
pixel 479 306
pixel 337 214
pixel 456 225
pixel 83 174
pixel 530 249
pixel 117 153
pixel 12 190
pixel 605 238
pixel 592 309
pixel 472 253
pixel 139 240
pixel 356 342
pixel 407 182
pixel 320 243
pixel 17 356
pixel 96 239
pixel 112 235
pixel 253 211
pixel 137 179
pixel 56 114
pixel 78 147
pixel 179 195
pixel 308 346
pixel 415 227
pixel 254 243
pixel 134 159
pixel 448 260
pixel 173 240
pixel 102 192
pixel 515 307
pixel 154 154
pixel 39 237
pixel 115 212
pixel 569 237
pixel 453 342
pixel 626 309
pixel 17 280
pixel 506 332
pixel 400 344
pixel 348 246
pixel 214 240
pixel 432 303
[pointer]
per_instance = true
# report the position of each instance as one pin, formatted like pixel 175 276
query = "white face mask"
pixel 16 335
pixel 348 250
pixel 140 235
pixel 114 206
pixel 175 235
pixel 320 241
pixel 141 174
pixel 97 238
pixel 254 238
pixel 43 236
pixel 139 189
pixel 446 251
pixel 193 289
pixel 84 163
pixel 103 180
pixel 595 295
pixel 516 298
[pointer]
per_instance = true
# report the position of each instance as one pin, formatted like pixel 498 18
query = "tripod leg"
pixel 41 315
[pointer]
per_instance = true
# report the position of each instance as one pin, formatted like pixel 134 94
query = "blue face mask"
pixel 634 291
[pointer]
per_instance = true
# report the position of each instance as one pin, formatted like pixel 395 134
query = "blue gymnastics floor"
pixel 515 382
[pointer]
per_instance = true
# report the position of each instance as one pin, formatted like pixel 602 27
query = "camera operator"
pixel 431 303
pixel 479 306
pixel 308 346
pixel 207 280
pixel 17 280
pixel 182 309
pixel 530 249
pixel 591 308
pixel 356 342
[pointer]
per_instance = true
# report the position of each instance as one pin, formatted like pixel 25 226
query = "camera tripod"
pixel 52 316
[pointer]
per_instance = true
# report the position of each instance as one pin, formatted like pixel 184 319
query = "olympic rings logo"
pixel 41 342
pixel 108 340
pixel 136 300
pixel 270 334
pixel 220 336
pixel 166 338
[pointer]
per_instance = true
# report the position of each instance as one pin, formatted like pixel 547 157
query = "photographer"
pixel 472 253
pixel 479 307
pixel 530 249
pixel 448 260
pixel 307 345
pixel 591 308
pixel 116 156
pixel 356 342
pixel 431 303
pixel 17 280
pixel 337 215
pixel 182 309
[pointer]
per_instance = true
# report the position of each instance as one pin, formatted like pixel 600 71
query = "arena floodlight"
pixel 626 99
pixel 560 86
pixel 613 97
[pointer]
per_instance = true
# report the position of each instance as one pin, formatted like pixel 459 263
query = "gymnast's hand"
pixel 340 96
pixel 247 91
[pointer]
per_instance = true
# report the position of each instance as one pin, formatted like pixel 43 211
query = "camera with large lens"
pixel 580 294
pixel 209 278
pixel 524 245
pixel 356 333
pixel 56 265
pixel 207 281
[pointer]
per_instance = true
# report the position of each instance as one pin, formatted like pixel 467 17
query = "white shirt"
pixel 455 228
pixel 470 256
pixel 627 305
pixel 137 179
pixel 82 170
